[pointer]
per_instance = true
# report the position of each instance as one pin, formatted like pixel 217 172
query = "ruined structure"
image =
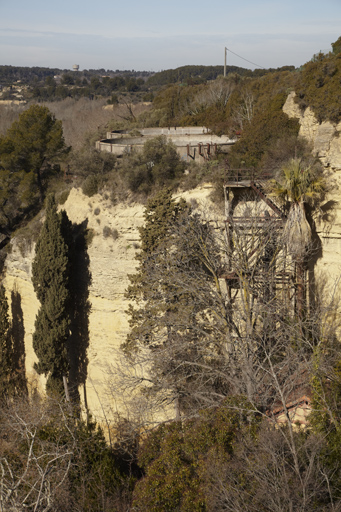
pixel 252 214
pixel 193 143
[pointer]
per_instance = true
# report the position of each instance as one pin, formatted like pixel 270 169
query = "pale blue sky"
pixel 154 35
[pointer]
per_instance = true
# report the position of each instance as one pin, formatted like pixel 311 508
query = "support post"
pixel 225 53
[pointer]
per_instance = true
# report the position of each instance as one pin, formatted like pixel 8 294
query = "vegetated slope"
pixel 200 74
pixel 247 107
pixel 228 105
pixel 225 457
pixel 318 87
pixel 193 74
pixel 223 104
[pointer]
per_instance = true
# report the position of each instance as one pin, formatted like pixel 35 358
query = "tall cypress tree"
pixel 160 215
pixel 175 295
pixel 50 277
pixel 5 345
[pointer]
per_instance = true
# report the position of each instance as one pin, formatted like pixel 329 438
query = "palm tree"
pixel 296 186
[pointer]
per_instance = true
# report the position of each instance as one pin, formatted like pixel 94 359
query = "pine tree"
pixel 32 143
pixel 50 277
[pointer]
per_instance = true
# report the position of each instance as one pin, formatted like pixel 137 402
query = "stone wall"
pixel 192 143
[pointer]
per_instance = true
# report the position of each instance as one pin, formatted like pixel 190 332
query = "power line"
pixel 258 66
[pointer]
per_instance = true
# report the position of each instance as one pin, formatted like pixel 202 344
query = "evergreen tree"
pixel 337 46
pixel 31 143
pixel 160 215
pixel 12 356
pixel 5 346
pixel 50 277
pixel 173 301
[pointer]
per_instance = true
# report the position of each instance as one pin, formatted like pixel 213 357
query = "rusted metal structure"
pixel 253 214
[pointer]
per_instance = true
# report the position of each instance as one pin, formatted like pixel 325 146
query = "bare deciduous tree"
pixel 264 475
pixel 35 460
pixel 218 318
pixel 245 110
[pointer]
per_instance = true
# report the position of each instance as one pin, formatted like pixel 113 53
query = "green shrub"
pixel 266 127
pixel 89 236
pixel 319 87
pixel 62 197
pixel 337 46
pixel 110 232
pixel 90 186
pixel 157 166
pixel 177 457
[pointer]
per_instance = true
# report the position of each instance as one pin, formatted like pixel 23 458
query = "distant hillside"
pixel 184 73
pixel 11 74
pixel 200 74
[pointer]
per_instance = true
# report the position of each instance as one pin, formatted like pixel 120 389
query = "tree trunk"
pixel 300 289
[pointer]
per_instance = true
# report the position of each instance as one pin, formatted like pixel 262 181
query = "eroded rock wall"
pixel 112 259
pixel 325 137
pixel 326 142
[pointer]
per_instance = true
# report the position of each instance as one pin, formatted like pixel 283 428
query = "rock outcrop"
pixel 326 144
pixel 324 137
pixel 112 258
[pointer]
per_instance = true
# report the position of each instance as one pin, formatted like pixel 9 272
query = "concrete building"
pixel 193 143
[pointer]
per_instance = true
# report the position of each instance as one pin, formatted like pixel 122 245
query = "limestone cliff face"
pixel 323 136
pixel 326 144
pixel 112 259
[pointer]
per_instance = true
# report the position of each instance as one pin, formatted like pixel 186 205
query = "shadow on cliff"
pixel 327 219
pixel 79 313
pixel 17 334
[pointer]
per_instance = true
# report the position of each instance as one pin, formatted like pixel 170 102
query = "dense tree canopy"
pixel 268 125
pixel 32 143
pixel 157 166
pixel 318 86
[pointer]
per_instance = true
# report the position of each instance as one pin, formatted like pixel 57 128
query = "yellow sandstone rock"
pixel 112 259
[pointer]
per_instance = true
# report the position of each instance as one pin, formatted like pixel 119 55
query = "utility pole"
pixel 225 53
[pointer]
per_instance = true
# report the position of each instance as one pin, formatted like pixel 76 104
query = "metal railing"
pixel 238 175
